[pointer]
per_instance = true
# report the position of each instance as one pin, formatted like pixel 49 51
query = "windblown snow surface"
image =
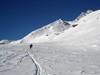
pixel 75 51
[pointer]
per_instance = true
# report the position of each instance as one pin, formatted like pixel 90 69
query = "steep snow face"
pixel 46 33
pixel 86 31
pixel 83 14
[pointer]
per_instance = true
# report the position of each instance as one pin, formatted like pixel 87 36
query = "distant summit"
pixel 4 41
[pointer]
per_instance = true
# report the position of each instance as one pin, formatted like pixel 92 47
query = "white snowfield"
pixel 58 49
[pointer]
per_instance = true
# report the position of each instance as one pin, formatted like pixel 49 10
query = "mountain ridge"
pixel 48 31
pixel 60 29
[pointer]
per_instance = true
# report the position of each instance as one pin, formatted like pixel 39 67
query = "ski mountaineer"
pixel 31 46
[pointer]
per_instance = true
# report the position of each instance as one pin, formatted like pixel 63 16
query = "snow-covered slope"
pixel 86 31
pixel 75 51
pixel 46 33
pixel 50 59
pixel 87 28
pixel 83 14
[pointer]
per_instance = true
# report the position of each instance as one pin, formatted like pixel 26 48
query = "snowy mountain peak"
pixel 59 21
pixel 84 25
pixel 83 14
pixel 47 32
pixel 86 29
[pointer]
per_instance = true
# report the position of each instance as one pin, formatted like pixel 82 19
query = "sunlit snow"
pixel 60 48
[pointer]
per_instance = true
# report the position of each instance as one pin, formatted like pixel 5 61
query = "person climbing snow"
pixel 31 46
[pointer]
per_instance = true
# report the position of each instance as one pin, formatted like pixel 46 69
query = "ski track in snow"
pixel 38 67
pixel 19 60
pixel 55 59
pixel 10 58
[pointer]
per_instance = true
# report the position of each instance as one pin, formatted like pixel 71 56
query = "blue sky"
pixel 20 17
